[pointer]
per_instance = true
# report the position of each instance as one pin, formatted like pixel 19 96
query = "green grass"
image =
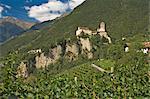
pixel 122 18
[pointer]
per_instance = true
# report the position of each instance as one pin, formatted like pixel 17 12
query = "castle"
pixel 71 50
pixel 101 31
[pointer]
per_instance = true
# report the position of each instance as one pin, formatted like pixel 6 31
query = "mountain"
pixel 46 23
pixel 11 27
pixel 53 60
pixel 123 18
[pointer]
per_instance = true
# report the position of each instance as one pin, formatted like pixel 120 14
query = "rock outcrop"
pixel 43 61
pixel 56 52
pixel 86 47
pixel 72 51
pixel 85 44
pixel 22 70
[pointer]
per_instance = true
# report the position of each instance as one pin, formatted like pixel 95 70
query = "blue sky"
pixel 37 10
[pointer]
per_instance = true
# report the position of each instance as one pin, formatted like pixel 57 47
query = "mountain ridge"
pixel 11 27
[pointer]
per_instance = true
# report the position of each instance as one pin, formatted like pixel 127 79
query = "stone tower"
pixel 101 27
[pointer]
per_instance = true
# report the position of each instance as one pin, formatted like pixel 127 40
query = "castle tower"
pixel 101 27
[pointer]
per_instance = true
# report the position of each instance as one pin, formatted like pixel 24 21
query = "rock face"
pixel 72 51
pixel 86 47
pixel 90 55
pixel 43 61
pixel 56 52
pixel 22 70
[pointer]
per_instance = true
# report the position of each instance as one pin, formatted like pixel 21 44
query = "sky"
pixel 37 10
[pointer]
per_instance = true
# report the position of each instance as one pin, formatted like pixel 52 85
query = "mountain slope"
pixel 122 18
pixel 11 26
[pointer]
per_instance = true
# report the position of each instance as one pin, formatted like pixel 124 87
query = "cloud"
pixel 1 10
pixel 51 10
pixel 27 8
pixel 6 6
pixel 75 3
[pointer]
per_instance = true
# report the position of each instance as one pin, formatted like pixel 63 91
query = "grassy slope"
pixel 123 17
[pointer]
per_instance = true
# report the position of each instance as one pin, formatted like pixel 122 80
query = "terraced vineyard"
pixel 82 81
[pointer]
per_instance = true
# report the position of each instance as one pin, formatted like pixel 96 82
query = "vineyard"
pixel 82 81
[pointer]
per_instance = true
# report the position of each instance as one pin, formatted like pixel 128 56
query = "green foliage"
pixel 9 84
pixel 115 51
pixel 129 80
pixel 132 75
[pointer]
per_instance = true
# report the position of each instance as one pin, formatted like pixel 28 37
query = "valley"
pixel 100 50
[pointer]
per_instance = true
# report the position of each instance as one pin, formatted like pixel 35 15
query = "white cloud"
pixel 27 8
pixel 1 10
pixel 48 11
pixel 75 3
pixel 51 10
pixel 6 6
